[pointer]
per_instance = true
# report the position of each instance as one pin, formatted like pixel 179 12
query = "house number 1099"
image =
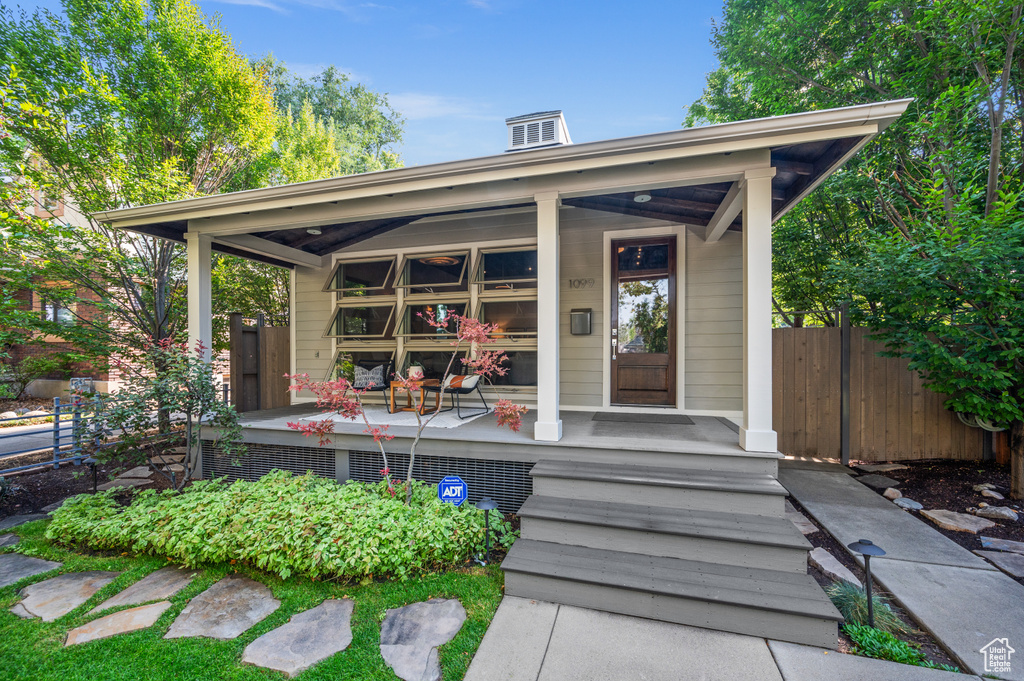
pixel 581 283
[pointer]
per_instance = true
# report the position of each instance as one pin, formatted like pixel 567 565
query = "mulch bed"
pixel 824 540
pixel 29 403
pixel 941 484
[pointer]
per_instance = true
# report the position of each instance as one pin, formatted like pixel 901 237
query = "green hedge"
pixel 281 523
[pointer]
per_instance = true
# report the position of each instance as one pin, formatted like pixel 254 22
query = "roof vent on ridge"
pixel 541 129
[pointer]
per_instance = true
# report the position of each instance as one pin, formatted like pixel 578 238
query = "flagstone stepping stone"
pixel 50 508
pixel 411 634
pixel 15 520
pixel 959 522
pixel 309 637
pixel 997 513
pixel 797 518
pixel 831 566
pixel 881 467
pixel 908 504
pixel 1010 563
pixel 225 610
pixel 137 472
pixel 124 482
pixel 15 567
pixel 120 622
pixel 877 481
pixel 57 596
pixel 156 586
pixel 991 494
pixel 1002 545
pixel 8 540
pixel 891 493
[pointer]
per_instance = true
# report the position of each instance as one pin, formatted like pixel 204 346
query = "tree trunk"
pixel 1017 460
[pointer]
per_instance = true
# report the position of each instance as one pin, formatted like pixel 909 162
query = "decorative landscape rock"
pixel 156 586
pixel 36 413
pixel 121 622
pixel 991 494
pixel 225 610
pixel 50 508
pixel 892 493
pixel 831 566
pixel 1010 563
pixel 15 567
pixel 15 520
pixel 997 513
pixel 959 522
pixel 125 482
pixel 57 596
pixel 8 415
pixel 410 636
pixel 984 486
pixel 1003 545
pixel 797 518
pixel 881 467
pixel 908 504
pixel 8 540
pixel 308 638
pixel 878 481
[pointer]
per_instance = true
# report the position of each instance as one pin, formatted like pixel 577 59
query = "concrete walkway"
pixel 535 641
pixel 963 601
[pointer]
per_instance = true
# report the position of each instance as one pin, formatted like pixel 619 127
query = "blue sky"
pixel 456 69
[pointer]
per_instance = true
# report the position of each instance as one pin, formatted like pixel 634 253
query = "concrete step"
pixel 712 536
pixel 757 602
pixel 750 493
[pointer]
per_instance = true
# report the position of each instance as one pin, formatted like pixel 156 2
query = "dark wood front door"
pixel 643 319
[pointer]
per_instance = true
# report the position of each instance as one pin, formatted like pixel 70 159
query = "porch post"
pixel 549 425
pixel 200 298
pixel 756 434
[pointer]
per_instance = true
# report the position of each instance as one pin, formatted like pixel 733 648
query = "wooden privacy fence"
pixel 260 357
pixel 892 415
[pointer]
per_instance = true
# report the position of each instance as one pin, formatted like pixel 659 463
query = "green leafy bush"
pixel 852 602
pixel 882 645
pixel 282 523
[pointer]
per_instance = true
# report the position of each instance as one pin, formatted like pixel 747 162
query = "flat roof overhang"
pixel 691 175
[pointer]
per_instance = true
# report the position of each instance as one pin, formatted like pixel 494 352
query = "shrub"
pixel 282 523
pixel 882 645
pixel 852 602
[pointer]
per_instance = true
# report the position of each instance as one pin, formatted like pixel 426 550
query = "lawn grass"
pixel 34 650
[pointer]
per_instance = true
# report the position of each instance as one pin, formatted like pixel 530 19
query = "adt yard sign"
pixel 452 490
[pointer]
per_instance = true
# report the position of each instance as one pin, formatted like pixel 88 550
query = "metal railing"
pixel 73 427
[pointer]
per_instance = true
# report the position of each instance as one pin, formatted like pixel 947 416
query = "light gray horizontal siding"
pixel 313 308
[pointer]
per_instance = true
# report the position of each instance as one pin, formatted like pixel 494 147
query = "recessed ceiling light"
pixel 641 197
pixel 314 231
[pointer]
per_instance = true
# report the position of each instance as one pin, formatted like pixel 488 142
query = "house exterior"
pixel 631 282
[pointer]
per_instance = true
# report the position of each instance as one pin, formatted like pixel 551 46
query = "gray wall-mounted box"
pixel 579 322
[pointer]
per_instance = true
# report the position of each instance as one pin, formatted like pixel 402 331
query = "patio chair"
pixel 455 387
pixel 375 371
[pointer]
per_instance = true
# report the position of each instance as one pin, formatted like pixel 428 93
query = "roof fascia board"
pixel 817 121
pixel 674 173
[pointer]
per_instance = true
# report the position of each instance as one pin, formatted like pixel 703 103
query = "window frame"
pixel 402 276
pixel 339 351
pixel 478 279
pixel 340 292
pixel 409 303
pixel 364 338
pixel 513 336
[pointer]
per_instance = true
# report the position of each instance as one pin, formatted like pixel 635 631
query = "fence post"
pixel 76 427
pixel 844 390
pixel 56 433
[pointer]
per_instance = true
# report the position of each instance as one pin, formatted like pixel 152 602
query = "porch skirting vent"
pixel 260 459
pixel 507 482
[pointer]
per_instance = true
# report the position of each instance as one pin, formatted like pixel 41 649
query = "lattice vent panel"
pixel 260 459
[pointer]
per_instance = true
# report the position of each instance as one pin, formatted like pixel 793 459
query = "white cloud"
pixel 265 4
pixel 417 105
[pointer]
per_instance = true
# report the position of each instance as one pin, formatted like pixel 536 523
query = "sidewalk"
pixel 963 601
pixel 536 641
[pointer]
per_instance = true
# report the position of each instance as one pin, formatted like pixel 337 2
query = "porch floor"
pixel 706 435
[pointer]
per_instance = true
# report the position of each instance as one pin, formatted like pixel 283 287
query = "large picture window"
pixel 507 270
pixel 363 279
pixel 434 272
pixel 413 324
pixel 364 321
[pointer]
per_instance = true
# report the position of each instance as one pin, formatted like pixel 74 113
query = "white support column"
pixel 200 297
pixel 549 424
pixel 756 434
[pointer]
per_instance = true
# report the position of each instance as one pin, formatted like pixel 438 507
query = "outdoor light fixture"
pixel 91 462
pixel 487 505
pixel 314 231
pixel 440 260
pixel 641 196
pixel 867 549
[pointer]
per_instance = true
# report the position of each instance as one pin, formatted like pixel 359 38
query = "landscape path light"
pixel 91 463
pixel 867 548
pixel 487 505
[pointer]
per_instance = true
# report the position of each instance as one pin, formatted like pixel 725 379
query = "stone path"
pixel 121 622
pixel 959 598
pixel 831 566
pixel 878 481
pixel 15 567
pixel 57 596
pixel 958 522
pixel 411 634
pixel 225 610
pixel 8 540
pixel 15 520
pixel 308 638
pixel 156 586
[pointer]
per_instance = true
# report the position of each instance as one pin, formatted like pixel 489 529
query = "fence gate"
pixel 260 357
